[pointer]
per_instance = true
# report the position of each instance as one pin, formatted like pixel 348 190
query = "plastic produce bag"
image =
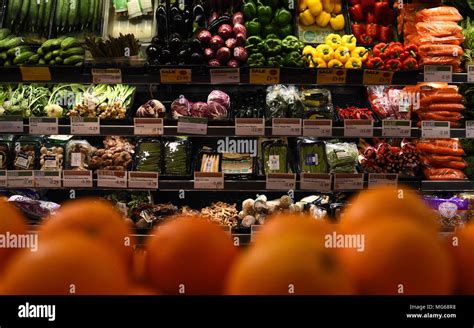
pixel 342 157
pixel 275 156
pixel 317 103
pixel 283 101
pixel 451 212
pixel 311 156
pixel 148 157
pixel 26 153
pixel 78 155
pixel 176 156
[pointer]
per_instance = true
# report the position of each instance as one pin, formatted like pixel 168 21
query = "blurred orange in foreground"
pixel 67 264
pixel 12 223
pixel 189 256
pixel 97 219
pixel 461 247
pixel 399 257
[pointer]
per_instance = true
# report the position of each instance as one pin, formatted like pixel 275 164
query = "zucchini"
pixel 90 13
pixel 25 6
pixel 7 63
pixel 79 64
pixel 33 14
pixel 33 59
pixel 4 32
pixel 15 42
pixel 57 16
pixel 73 60
pixel 48 56
pixel 97 9
pixel 52 63
pixel 3 55
pixel 41 11
pixel 40 51
pixel 13 9
pixel 72 51
pixel 23 57
pixel 71 17
pixel 47 45
pixel 56 52
pixel 58 60
pixel 84 11
pixel 47 16
pixel 64 13
pixel 12 52
pixel 56 44
pixel 4 41
pixel 69 43
pixel 41 62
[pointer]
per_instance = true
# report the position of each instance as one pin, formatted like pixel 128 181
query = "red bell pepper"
pixel 412 50
pixel 393 64
pixel 373 31
pixel 388 18
pixel 380 10
pixel 409 64
pixel 379 50
pixel 386 34
pixel 365 39
pixel 370 18
pixel 375 63
pixel 357 13
pixel 358 30
pixel 395 51
pixel 354 2
pixel 367 4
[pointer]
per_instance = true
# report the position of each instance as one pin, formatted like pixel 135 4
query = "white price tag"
pixel 250 126
pixel 281 181
pixel 77 179
pixel 435 129
pixel 11 124
pixel 111 179
pixel 148 126
pixel 348 181
pixel 20 179
pixel 143 180
pixel 320 182
pixel 359 128
pixel 192 125
pixel 43 125
pixel 317 128
pixel 438 73
pixel 469 129
pixel 208 180
pixel 48 179
pixel 382 179
pixel 470 74
pixel 225 75
pixel 286 127
pixel 396 128
pixel 108 76
pixel 3 179
pixel 85 125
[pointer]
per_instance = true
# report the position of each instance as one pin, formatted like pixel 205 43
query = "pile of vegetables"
pixel 122 46
pixel 317 103
pixel 270 17
pixel 24 100
pixel 390 102
pixel 13 50
pixel 322 13
pixel 372 21
pixel 386 157
pixel 354 113
pixel 337 52
pixel 29 16
pixel 76 15
pixel 274 51
pixel 61 51
pixel 115 156
pixel 175 51
pixel 341 156
pixel 221 213
pixel 394 56
pixel 283 101
pixel 216 107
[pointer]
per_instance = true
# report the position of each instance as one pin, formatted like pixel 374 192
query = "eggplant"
pixel 162 22
pixel 214 26
pixel 183 55
pixel 175 44
pixel 196 58
pixel 152 51
pixel 199 17
pixel 196 45
pixel 165 56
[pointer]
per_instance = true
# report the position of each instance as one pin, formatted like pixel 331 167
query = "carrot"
pixel 453 143
pixel 444 107
pixel 438 28
pixel 438 13
pixel 442 60
pixel 440 158
pixel 438 150
pixel 440 50
pixel 443 174
pixel 454 39
pixel 441 164
pixel 441 98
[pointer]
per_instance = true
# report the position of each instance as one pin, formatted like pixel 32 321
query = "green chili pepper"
pixel 275 61
pixel 256 59
pixel 290 43
pixel 253 27
pixel 283 17
pixel 293 59
pixel 249 10
pixel 272 47
pixel 285 31
pixel 264 13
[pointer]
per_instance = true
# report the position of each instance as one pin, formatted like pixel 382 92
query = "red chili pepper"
pixel 388 17
pixel 380 10
pixel 370 19
pixel 357 13
pixel 358 30
pixel 410 63
pixel 366 39
pixel 379 50
pixel 367 4
pixel 386 33
pixel 393 64
pixel 375 63
pixel 373 31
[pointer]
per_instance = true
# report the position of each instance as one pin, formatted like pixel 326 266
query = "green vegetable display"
pixel 275 52
pixel 342 157
pixel 60 51
pixel 176 159
pixel 149 156
pixel 275 156
pixel 312 156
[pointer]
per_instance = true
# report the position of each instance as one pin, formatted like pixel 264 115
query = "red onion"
pixel 230 43
pixel 238 17
pixel 240 39
pixel 239 28
pixel 225 31
pixel 216 42
pixel 241 54
pixel 204 36
pixel 209 54
pixel 214 62
pixel 233 63
pixel 223 54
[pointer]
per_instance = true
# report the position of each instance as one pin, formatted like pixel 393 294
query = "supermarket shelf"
pixel 436 186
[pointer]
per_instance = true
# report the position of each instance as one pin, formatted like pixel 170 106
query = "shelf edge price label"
pixel 225 75
pixel 469 129
pixel 358 128
pixel 20 179
pixel 250 126
pixel 320 182
pixel 264 76
pixel 286 126
pixel 148 126
pixel 3 179
pixel 348 181
pixel 11 124
pixel 143 180
pixel 438 73
pixel 209 180
pixel 77 179
pixel 85 125
pixel 43 125
pixel 376 77
pixel 435 129
pixel 396 128
pixel 317 128
pixel 382 179
pixel 281 181
pixel 35 73
pixel 331 76
pixel 175 75
pixel 470 74
pixel 111 179
pixel 107 75
pixel 192 125
pixel 47 179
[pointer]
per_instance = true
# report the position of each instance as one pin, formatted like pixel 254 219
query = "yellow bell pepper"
pixel 309 50
pixel 335 64
pixel 328 5
pixel 315 7
pixel 306 18
pixel 342 54
pixel 323 19
pixel 317 63
pixel 337 22
pixel 354 63
pixel 349 41
pixel 334 41
pixel 337 7
pixel 324 52
pixel 361 53
pixel 302 6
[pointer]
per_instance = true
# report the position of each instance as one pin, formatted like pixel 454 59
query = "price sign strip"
pixel 85 125
pixel 382 179
pixel 111 179
pixel 77 179
pixel 435 129
pixel 11 124
pixel 208 180
pixel 396 128
pixel 250 126
pixel 107 75
pixel 20 179
pixel 175 75
pixel 47 179
pixel 470 129
pixel 376 77
pixel 264 76
pixel 317 128
pixel 331 76
pixel 286 127
pixel 143 180
pixel 43 125
pixel 316 181
pixel 438 73
pixel 348 181
pixel 192 125
pixel 225 75
pixel 148 126
pixel 35 73
pixel 281 181
pixel 470 74
pixel 358 128
pixel 3 179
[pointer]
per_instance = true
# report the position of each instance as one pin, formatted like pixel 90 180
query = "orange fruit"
pixel 289 265
pixel 462 250
pixel 189 256
pixel 399 257
pixel 67 264
pixel 12 223
pixel 97 219
pixel 375 205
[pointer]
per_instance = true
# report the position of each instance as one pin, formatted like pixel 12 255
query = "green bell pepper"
pixel 272 47
pixel 256 59
pixel 285 31
pixel 293 59
pixel 264 13
pixel 268 29
pixel 275 61
pixel 249 10
pixel 272 36
pixel 253 43
pixel 283 17
pixel 253 27
pixel 290 43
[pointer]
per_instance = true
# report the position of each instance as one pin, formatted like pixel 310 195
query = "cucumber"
pixel 71 17
pixel 64 13
pixel 69 43
pixel 41 62
pixel 79 64
pixel 47 16
pixel 23 57
pixel 56 52
pixel 52 63
pixel 3 55
pixel 33 59
pixel 15 42
pixel 41 12
pixel 33 14
pixel 48 56
pixel 83 12
pixel 58 60
pixel 47 45
pixel 13 9
pixel 90 13
pixel 57 15
pixel 4 41
pixel 25 6
pixel 73 60
pixel 40 51
pixel 4 32
pixel 56 44
pixel 97 9
pixel 7 63
pixel 12 52
pixel 72 51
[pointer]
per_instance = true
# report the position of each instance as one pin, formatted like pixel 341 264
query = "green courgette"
pixel 12 52
pixel 48 56
pixel 25 6
pixel 58 60
pixel 23 57
pixel 15 42
pixel 69 43
pixel 4 32
pixel 3 55
pixel 33 59
pixel 33 13
pixel 72 51
pixel 73 60
pixel 72 14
